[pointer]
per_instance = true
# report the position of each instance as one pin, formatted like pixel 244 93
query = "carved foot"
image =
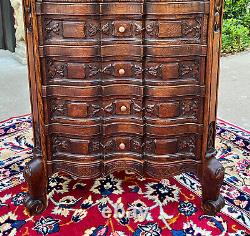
pixel 34 174
pixel 34 207
pixel 212 179
pixel 212 207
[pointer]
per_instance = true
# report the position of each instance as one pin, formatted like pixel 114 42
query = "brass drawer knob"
pixel 121 72
pixel 123 108
pixel 121 29
pixel 122 146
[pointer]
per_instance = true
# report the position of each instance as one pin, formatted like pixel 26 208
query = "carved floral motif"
pixel 55 70
pixel 187 144
pixel 152 29
pixel 52 28
pixel 155 71
pixel 58 108
pixel 92 30
pixel 109 69
pixel 150 146
pixel 189 69
pixel 60 144
pixel 192 29
pixel 93 70
pixel 109 145
pixel 190 108
pixel 136 145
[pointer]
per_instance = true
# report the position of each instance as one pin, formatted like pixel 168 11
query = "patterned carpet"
pixel 141 207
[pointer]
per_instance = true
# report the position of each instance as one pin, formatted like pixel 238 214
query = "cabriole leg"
pixel 34 174
pixel 212 179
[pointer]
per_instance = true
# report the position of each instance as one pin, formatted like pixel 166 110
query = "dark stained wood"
pixel 123 85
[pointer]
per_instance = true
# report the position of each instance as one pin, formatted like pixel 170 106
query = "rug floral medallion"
pixel 122 203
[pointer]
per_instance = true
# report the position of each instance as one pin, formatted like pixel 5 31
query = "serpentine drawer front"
pixel 128 84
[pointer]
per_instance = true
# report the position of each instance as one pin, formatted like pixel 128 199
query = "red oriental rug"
pixel 163 207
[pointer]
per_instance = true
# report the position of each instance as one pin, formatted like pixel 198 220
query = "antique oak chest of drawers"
pixel 125 84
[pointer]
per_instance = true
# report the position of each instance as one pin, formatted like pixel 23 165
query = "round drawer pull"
pixel 121 72
pixel 121 29
pixel 122 146
pixel 123 108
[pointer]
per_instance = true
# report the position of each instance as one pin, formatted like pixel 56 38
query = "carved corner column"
pixel 20 50
pixel 35 172
pixel 212 171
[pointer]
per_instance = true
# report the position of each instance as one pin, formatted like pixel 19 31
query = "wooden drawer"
pixel 163 131
pixel 180 30
pixel 121 51
pixel 122 147
pixel 161 92
pixel 122 91
pixel 117 71
pixel 67 8
pixel 177 71
pixel 169 8
pixel 178 110
pixel 121 30
pixel 173 147
pixel 167 50
pixel 86 92
pixel 125 108
pixel 68 51
pixel 73 148
pixel 70 72
pixel 73 111
pixel 123 9
pixel 69 31
pixel 85 131
pixel 123 128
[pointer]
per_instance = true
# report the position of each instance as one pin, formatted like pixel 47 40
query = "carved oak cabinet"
pixel 123 84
